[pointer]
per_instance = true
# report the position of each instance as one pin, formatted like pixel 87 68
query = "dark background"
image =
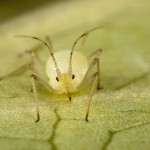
pixel 12 8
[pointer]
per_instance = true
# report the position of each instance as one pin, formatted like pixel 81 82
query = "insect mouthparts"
pixel 73 76
pixel 57 79
pixel 69 95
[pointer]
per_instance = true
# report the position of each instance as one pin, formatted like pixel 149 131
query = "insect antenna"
pixel 49 48
pixel 74 44
pixel 49 41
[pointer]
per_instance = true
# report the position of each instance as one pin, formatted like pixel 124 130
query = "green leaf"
pixel 119 117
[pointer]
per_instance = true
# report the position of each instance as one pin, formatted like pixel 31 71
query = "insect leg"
pixel 95 54
pixel 95 76
pixel 46 85
pixel 27 66
pixel 88 77
pixel 37 68
pixel 16 71
pixel 90 72
pixel 36 98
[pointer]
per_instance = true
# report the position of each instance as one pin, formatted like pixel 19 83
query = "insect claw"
pixel 100 88
pixel 38 118
pixel 86 118
pixel 70 98
pixel 69 95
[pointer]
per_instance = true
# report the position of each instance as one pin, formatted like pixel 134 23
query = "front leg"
pixel 46 85
pixel 95 76
pixel 96 84
pixel 35 97
pixel 37 75
pixel 89 73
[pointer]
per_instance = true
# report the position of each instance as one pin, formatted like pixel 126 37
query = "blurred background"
pixel 12 8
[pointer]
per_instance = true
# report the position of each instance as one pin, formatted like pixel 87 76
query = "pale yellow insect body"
pixel 66 83
pixel 67 70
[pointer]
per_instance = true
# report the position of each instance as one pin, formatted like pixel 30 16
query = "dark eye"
pixel 57 79
pixel 73 76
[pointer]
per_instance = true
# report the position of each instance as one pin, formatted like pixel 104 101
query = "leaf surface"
pixel 119 117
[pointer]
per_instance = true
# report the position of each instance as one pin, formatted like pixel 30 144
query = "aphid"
pixel 67 71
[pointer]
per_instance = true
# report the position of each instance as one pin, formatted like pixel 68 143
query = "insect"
pixel 67 71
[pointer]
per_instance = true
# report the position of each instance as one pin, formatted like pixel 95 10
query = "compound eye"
pixel 57 79
pixel 73 76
